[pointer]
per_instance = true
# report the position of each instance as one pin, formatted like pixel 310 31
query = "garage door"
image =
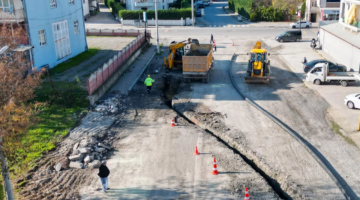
pixel 61 39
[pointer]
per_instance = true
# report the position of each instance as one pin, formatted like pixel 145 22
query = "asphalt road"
pixel 214 15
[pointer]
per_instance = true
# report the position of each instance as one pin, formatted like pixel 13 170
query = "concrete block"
pixel 76 165
pixel 58 167
pixel 84 150
pixel 75 157
pixel 95 164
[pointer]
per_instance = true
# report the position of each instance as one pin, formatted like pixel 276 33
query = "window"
pixel 53 4
pixel 42 37
pixel 71 1
pixel 76 26
pixel 6 5
pixel 61 39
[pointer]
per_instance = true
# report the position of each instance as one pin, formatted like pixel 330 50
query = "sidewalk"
pixel 103 17
pixel 131 76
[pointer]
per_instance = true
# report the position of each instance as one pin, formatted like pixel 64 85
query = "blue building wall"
pixel 40 16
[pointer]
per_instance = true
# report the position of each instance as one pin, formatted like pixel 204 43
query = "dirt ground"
pixel 156 161
pixel 109 46
pixel 151 160
pixel 262 141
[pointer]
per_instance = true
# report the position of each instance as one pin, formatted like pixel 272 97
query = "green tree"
pixel 303 7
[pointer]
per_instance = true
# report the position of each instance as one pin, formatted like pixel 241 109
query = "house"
pixel 341 40
pixel 54 30
pixel 89 7
pixel 148 4
pixel 322 10
pixel 86 9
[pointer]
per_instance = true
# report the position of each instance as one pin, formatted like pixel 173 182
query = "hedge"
pixel 162 14
pixel 266 14
pixel 242 7
pixel 114 5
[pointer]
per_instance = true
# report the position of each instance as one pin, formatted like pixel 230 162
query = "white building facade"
pixel 322 10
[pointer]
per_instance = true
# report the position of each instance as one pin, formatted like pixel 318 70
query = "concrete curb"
pixel 142 71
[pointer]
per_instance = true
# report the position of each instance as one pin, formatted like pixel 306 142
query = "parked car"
pixel 289 36
pixel 333 67
pixel 198 13
pixel 304 24
pixel 206 3
pixel 201 5
pixel 352 101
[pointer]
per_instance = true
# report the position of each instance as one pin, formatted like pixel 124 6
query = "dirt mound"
pixel 196 53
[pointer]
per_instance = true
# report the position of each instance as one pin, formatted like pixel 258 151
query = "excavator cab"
pixel 177 51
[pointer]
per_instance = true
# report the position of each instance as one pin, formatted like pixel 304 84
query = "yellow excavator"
pixel 258 65
pixel 177 50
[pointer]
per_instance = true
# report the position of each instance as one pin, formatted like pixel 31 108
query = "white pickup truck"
pixel 320 74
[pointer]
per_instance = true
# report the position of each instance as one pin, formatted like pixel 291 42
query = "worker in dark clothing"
pixel 305 60
pixel 211 38
pixel 103 174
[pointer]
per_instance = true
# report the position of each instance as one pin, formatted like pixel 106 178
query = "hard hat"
pixel 149 75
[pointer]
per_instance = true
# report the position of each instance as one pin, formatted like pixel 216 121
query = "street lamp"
pixel 157 28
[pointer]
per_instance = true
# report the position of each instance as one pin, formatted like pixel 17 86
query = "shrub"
pixel 185 4
pixel 162 14
pixel 116 7
pixel 253 16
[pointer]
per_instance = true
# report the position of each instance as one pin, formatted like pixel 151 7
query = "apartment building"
pixel 53 30
pixel 322 10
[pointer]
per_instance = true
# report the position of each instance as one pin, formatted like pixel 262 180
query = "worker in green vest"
pixel 148 82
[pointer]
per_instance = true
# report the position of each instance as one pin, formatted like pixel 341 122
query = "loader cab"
pixel 257 62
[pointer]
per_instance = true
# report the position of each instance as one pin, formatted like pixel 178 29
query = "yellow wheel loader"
pixel 258 65
pixel 176 53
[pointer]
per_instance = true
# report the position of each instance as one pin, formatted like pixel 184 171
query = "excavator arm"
pixel 170 61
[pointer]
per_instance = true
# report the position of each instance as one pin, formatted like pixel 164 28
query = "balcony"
pixel 144 3
pixel 14 16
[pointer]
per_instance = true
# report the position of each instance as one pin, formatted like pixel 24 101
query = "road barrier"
pixel 97 78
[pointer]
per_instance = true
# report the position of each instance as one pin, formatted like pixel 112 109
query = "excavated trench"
pixel 171 85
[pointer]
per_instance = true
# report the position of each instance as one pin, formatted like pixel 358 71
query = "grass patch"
pixel 160 53
pixel 58 114
pixel 74 61
pixel 336 127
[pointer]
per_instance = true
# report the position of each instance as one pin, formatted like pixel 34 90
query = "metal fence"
pixel 113 32
pixel 97 78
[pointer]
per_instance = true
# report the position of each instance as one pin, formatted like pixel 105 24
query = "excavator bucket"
pixel 249 80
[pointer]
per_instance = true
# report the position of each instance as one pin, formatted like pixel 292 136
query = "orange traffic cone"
pixel 196 151
pixel 173 122
pixel 247 197
pixel 215 171
pixel 233 43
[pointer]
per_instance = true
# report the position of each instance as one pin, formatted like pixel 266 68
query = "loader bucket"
pixel 256 80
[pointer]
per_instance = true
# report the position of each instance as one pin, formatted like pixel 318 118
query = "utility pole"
pixel 157 28
pixel 192 12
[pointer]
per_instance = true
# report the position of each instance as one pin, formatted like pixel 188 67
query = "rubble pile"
pixel 90 150
pixel 99 119
pixel 92 138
